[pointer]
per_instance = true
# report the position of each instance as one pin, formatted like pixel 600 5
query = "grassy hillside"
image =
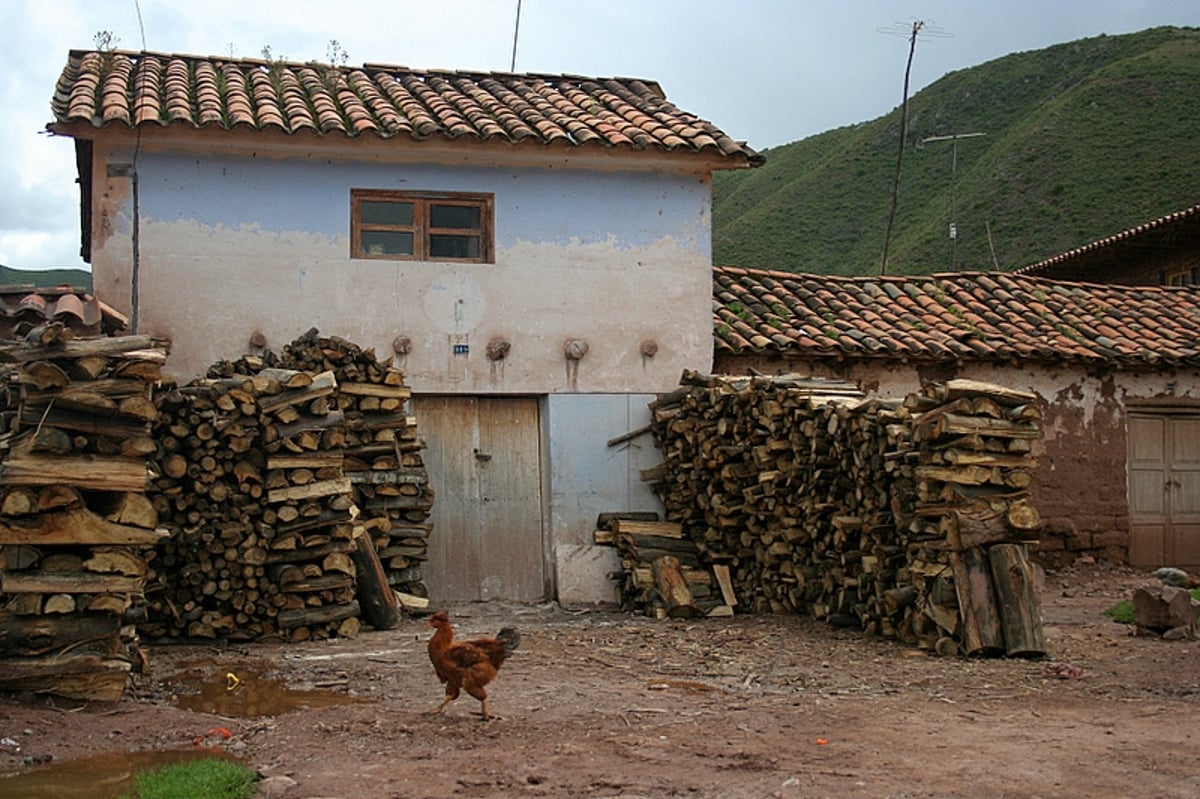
pixel 1082 140
pixel 47 278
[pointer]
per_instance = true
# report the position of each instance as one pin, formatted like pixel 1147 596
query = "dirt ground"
pixel 605 704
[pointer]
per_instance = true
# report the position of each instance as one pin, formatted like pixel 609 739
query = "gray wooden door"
pixel 1164 490
pixel 483 459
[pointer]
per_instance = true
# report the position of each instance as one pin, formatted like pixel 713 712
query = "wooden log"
pixel 966 529
pixel 982 634
pixel 31 636
pixel 1017 597
pixel 19 502
pixel 376 598
pixel 16 556
pixel 958 424
pixel 1004 395
pixel 116 560
pixel 320 488
pixel 132 508
pixel 673 589
pixel 636 527
pixel 90 677
pixel 290 619
pixel 130 346
pixel 82 471
pixel 68 583
pixel 73 527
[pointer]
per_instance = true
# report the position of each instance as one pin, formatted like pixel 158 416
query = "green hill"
pixel 1083 140
pixel 45 278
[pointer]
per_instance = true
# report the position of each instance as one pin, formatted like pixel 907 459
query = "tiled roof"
pixel 388 102
pixel 25 307
pixel 1171 226
pixel 955 317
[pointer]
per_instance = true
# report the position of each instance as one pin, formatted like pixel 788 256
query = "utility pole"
pixel 953 139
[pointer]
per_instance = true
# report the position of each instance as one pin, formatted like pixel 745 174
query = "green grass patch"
pixel 209 778
pixel 1122 612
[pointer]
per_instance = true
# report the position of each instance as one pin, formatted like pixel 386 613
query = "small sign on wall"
pixel 457 363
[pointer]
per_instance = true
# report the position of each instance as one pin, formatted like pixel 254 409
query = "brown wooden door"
pixel 1164 490
pixel 483 458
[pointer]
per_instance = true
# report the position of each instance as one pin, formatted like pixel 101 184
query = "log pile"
pixel 661 573
pixel 855 510
pixel 381 454
pixel 76 528
pixel 284 485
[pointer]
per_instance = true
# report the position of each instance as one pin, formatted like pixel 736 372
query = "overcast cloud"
pixel 766 71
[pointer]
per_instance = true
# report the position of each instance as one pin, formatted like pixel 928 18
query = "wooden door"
pixel 483 458
pixel 1164 490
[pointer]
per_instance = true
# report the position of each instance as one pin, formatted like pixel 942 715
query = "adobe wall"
pixel 230 246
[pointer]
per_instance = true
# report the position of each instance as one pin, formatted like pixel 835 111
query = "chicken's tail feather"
pixel 510 638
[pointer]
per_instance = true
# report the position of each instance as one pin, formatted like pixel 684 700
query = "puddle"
pixel 99 777
pixel 243 692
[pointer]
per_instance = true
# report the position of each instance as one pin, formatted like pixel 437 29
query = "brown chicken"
pixel 467 665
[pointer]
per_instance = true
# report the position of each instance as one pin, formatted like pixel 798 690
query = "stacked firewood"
pixel 752 474
pixel 972 521
pixel 298 501
pixel 661 572
pixel 75 525
pixel 207 578
pixel 381 453
pixel 821 501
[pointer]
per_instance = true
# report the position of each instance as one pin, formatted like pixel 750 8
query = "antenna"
pixel 516 30
pixel 911 30
pixel 953 139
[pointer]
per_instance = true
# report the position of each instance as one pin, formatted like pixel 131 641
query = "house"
pixel 1116 367
pixel 1163 252
pixel 533 250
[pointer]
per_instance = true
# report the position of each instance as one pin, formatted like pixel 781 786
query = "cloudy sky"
pixel 766 71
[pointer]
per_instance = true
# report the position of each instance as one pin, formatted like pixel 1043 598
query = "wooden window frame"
pixel 422 229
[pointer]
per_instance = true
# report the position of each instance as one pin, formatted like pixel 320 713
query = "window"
pixel 419 226
pixel 1184 276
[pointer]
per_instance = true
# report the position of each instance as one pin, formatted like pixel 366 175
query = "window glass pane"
pixel 380 212
pixel 453 246
pixel 386 242
pixel 454 216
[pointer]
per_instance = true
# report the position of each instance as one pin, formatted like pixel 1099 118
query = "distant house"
pixel 1164 252
pixel 1117 368
pixel 534 250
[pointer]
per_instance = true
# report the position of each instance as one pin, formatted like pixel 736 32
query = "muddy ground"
pixel 605 704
